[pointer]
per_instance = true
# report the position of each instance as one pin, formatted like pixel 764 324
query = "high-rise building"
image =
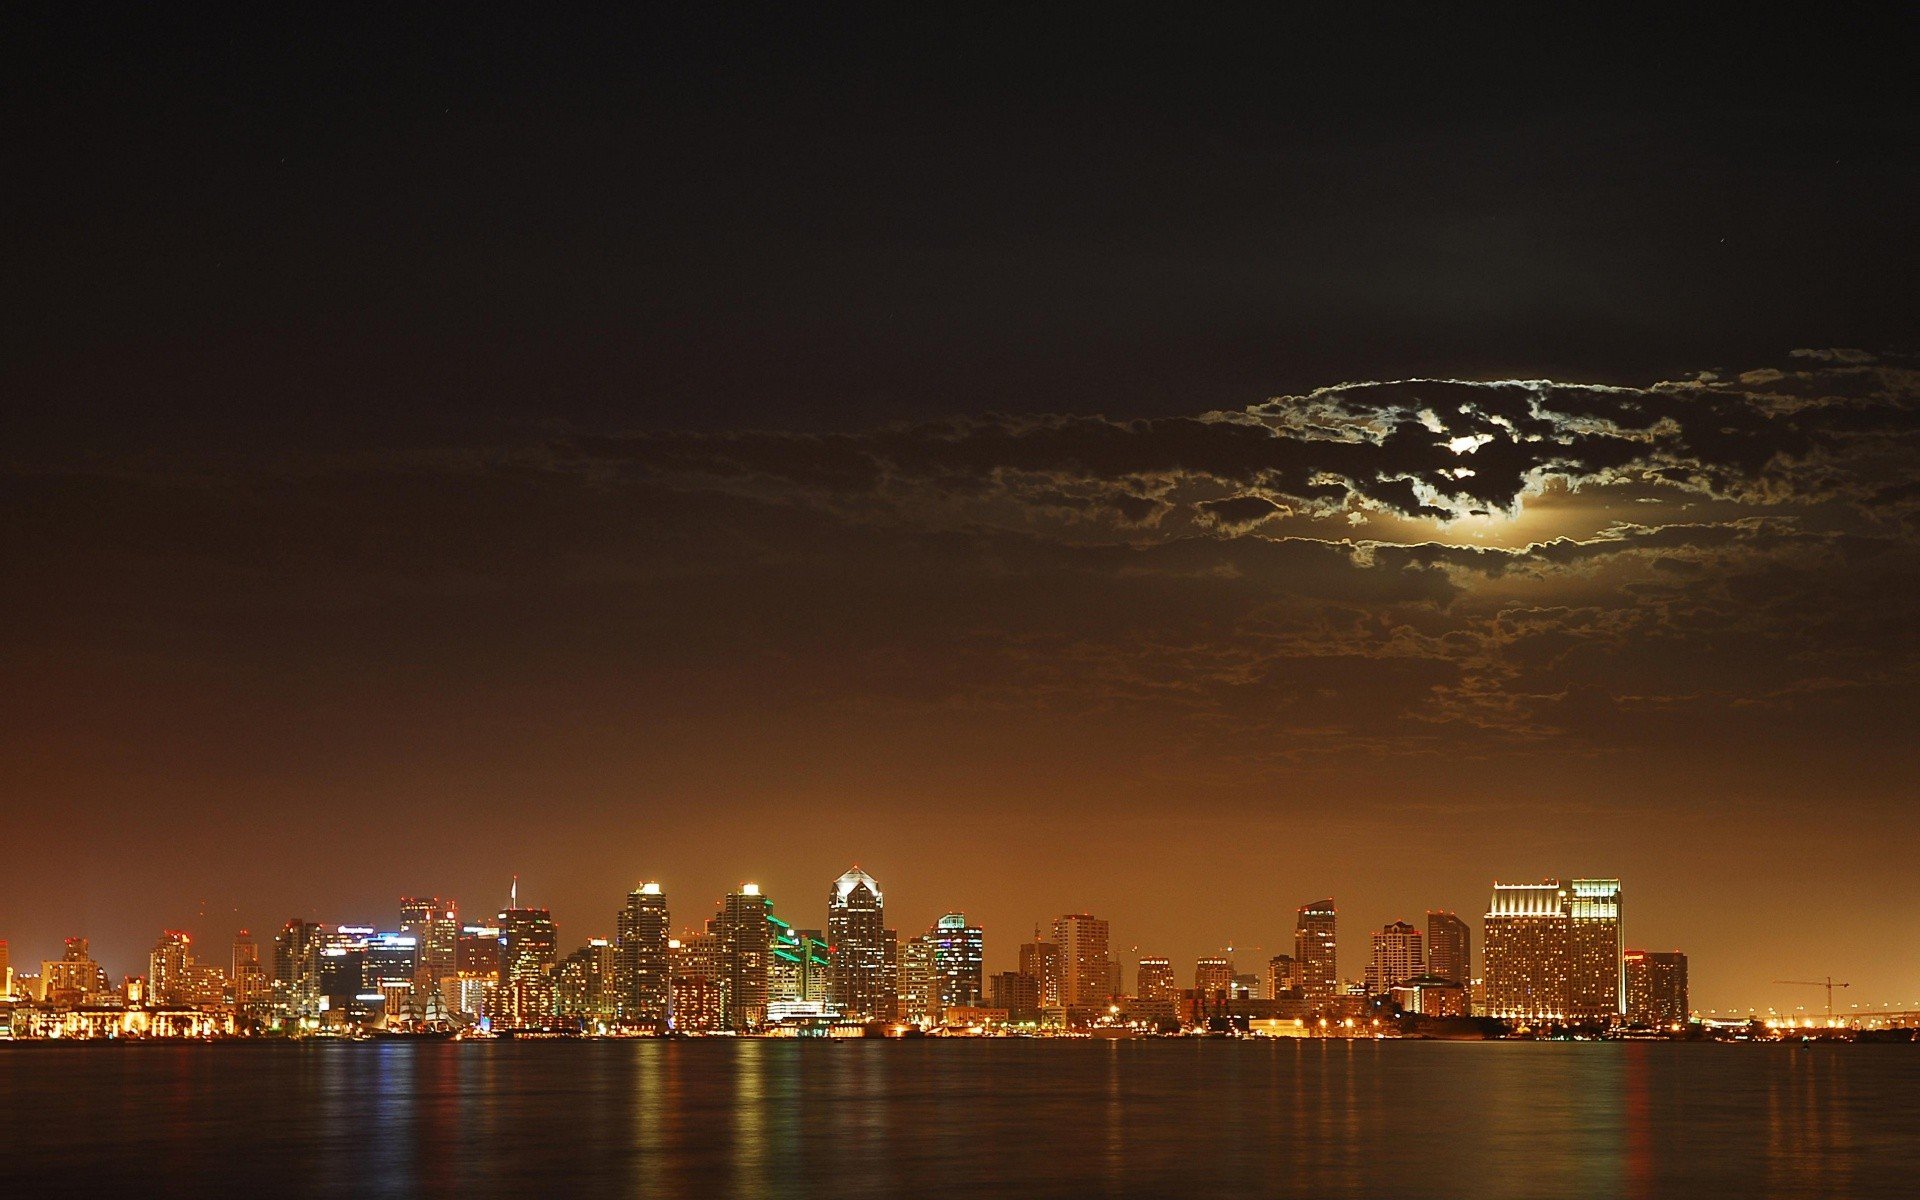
pixel 641 965
pixel 856 938
pixel 1086 970
pixel 434 926
pixel 6 971
pixel 1553 951
pixel 1040 961
pixel 1656 987
pixel 1282 976
pixel 696 980
pixel 1314 950
pixel 1213 978
pixel 1155 981
pixel 746 943
pixel 919 992
pixel 1398 955
pixel 1018 994
pixel 1449 947
pixel 528 949
pixel 168 968
pixel 801 966
pixel 296 971
pixel 959 957
pixel 585 984
pixel 252 990
pixel 1596 986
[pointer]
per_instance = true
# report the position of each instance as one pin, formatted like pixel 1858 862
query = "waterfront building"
pixel 697 971
pixel 6 973
pixel 1018 994
pixel 746 943
pixel 1397 955
pixel 1040 961
pixel 1155 982
pixel 529 946
pixel 1213 978
pixel 252 990
pixel 1656 987
pixel 1430 996
pixel 800 970
pixel 434 926
pixel 167 969
pixel 1595 981
pixel 641 965
pixel 862 987
pixel 296 971
pixel 1283 977
pixel 1315 951
pixel 1553 951
pixel 1449 946
pixel 959 957
pixel 585 984
pixel 1085 968
pixel 919 990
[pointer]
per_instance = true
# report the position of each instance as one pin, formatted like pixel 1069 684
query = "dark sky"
pixel 733 447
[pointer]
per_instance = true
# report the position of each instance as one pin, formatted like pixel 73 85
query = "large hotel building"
pixel 1553 951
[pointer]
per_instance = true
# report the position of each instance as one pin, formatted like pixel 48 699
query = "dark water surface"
pixel 972 1119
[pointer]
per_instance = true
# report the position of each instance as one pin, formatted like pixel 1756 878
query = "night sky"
pixel 1171 470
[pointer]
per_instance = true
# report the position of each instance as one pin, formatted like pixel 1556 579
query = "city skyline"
pixel 1358 964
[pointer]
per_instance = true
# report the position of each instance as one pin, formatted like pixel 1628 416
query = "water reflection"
pixel 953 1119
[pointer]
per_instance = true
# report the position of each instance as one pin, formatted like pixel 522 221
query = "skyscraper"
pixel 1086 970
pixel 856 936
pixel 1156 980
pixel 1656 987
pixel 251 989
pixel 1018 994
pixel 1314 952
pixel 697 981
pixel 746 946
pixel 168 969
pixel 641 965
pixel 1553 951
pixel 434 926
pixel 585 983
pixel 1449 947
pixel 528 948
pixel 1040 961
pixel 919 992
pixel 1397 957
pixel 1596 987
pixel 296 971
pixel 959 956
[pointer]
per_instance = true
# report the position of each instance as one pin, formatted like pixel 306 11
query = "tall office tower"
pixel 1314 952
pixel 528 948
pixel 1040 961
pixel 1656 987
pixel 1213 978
pixel 6 971
pixel 640 941
pixel 798 973
pixel 1281 976
pixel 251 988
pixel 434 926
pixel 1016 993
pixel 296 970
pixel 1595 986
pixel 1156 980
pixel 1086 970
pixel 856 933
pixel 696 982
pixel 1449 947
pixel 919 991
pixel 1527 952
pixel 1398 955
pixel 746 941
pixel 168 968
pixel 959 958
pixel 890 973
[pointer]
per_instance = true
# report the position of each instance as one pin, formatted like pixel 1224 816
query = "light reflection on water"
pixel 934 1118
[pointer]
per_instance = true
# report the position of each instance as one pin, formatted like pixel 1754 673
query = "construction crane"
pixel 1827 983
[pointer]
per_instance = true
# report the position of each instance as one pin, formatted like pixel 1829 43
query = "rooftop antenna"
pixel 513 893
